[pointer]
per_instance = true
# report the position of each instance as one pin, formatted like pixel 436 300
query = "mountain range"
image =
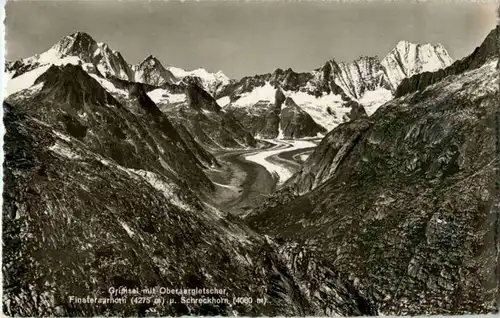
pixel 328 93
pixel 395 212
pixel 324 96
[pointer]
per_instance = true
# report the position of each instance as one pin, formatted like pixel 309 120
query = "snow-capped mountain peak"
pixel 80 48
pixel 211 82
pixel 199 72
pixel 76 44
pixel 408 59
pixel 151 59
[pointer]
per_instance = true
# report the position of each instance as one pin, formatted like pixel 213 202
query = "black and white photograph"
pixel 250 158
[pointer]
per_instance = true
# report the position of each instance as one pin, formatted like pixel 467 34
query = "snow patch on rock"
pixel 63 150
pixel 224 101
pixel 372 100
pixel 161 96
pixel 265 93
pixel 24 81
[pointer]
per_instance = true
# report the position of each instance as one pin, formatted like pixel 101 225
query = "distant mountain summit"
pixel 211 82
pixel 199 118
pixel 152 72
pixel 408 59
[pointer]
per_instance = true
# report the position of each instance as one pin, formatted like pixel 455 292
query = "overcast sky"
pixel 246 38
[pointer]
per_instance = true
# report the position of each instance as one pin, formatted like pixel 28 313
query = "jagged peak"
pixel 76 43
pixel 220 73
pixel 103 45
pixel 150 58
pixel 361 59
pixel 80 34
pixel 404 45
pixel 79 37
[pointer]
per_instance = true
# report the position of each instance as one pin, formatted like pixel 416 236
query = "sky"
pixel 247 38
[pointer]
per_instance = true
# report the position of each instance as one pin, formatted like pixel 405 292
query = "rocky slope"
pixel 193 109
pixel 297 123
pixel 405 202
pixel 103 192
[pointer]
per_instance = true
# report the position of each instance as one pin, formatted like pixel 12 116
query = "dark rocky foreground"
pixel 406 202
pixel 103 193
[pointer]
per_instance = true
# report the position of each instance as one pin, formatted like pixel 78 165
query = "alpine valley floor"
pixel 246 177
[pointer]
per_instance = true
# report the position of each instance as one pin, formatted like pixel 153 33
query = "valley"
pixel 246 177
